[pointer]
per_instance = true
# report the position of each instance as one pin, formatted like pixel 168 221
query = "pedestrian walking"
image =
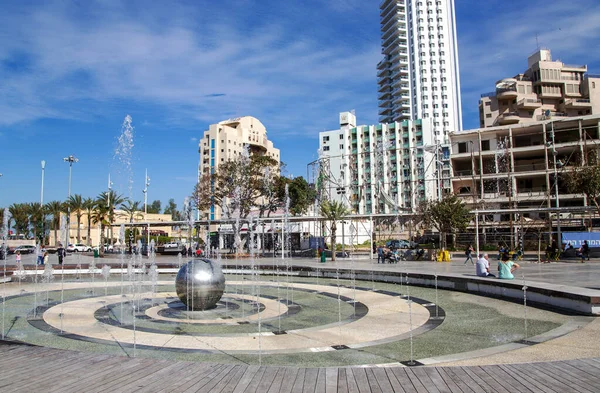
pixel 469 254
pixel 61 253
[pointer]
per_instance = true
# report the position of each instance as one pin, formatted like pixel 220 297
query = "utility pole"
pixel 70 160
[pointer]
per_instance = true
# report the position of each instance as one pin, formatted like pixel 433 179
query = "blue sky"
pixel 70 71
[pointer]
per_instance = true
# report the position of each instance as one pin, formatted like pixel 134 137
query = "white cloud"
pixel 192 72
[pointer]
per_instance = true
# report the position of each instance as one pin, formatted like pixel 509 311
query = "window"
pixel 325 148
pixel 488 116
pixel 593 85
pixel 341 136
pixel 488 103
pixel 462 147
pixel 341 147
pixel 485 145
pixel 325 139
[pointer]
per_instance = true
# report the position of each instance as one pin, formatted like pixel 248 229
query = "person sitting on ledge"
pixel 506 268
pixel 482 267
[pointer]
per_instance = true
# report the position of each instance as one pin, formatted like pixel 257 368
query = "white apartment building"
pixel 517 166
pixel 547 89
pixel 383 168
pixel 226 140
pixel 418 77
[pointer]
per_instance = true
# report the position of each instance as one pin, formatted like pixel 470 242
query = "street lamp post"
pixel 42 202
pixel 71 159
pixel 146 184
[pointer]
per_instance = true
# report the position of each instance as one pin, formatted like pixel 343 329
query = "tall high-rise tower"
pixel 418 76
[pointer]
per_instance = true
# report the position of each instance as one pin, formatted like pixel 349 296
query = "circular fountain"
pixel 200 284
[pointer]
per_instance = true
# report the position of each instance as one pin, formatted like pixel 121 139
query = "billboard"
pixel 577 238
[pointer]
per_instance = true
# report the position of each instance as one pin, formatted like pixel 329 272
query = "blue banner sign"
pixel 577 238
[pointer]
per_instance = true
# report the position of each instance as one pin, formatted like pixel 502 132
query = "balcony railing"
pixel 529 101
pixel 539 166
pixel 467 172
pixel 489 94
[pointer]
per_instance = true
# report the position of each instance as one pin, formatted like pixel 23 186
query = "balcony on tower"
pixel 506 89
pixel 508 118
pixel 578 103
pixel 529 103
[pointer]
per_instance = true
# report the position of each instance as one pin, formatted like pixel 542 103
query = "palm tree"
pixel 88 208
pixel 100 216
pixel 35 214
pixel 55 208
pixel 18 212
pixel 76 206
pixel 333 211
pixel 110 199
pixel 131 210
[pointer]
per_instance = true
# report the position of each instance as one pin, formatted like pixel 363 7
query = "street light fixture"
pixel 71 159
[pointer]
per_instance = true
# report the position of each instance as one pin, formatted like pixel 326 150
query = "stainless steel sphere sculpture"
pixel 200 284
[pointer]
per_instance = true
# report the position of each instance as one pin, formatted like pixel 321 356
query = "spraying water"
pixel 124 150
pixel 4 234
pixel 106 275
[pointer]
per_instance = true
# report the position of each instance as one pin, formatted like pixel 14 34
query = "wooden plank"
pixel 298 385
pixel 507 379
pixel 424 378
pixel 523 374
pixel 461 375
pixel 589 366
pixel 530 376
pixel 375 388
pixel 573 375
pixel 263 382
pixel 199 376
pixel 342 382
pixel 235 378
pixel 133 368
pixel 321 381
pixel 484 380
pixel 206 385
pixel 351 381
pixel 361 380
pixel 557 380
pixel 332 375
pixel 310 380
pixel 410 386
pixel 277 381
pixel 131 384
pixel 289 378
pixel 88 375
pixel 396 387
pixel 453 383
pixel 416 381
pixel 246 379
pixel 382 379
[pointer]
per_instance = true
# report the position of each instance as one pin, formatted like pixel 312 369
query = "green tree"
pixel 447 216
pixel 111 200
pixel 35 213
pixel 88 208
pixel 302 196
pixel 333 211
pixel 585 180
pixel 131 210
pixel 154 207
pixel 172 210
pixel 75 203
pixel 20 217
pixel 100 215
pixel 55 208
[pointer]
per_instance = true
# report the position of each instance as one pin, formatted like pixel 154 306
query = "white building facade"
pixel 418 77
pixel 383 168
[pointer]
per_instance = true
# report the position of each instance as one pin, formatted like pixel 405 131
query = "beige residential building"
pixel 226 140
pixel 546 90
pixel 516 166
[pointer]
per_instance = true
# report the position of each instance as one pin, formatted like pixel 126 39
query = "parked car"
pixel 79 247
pixel 26 249
pixel 396 244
